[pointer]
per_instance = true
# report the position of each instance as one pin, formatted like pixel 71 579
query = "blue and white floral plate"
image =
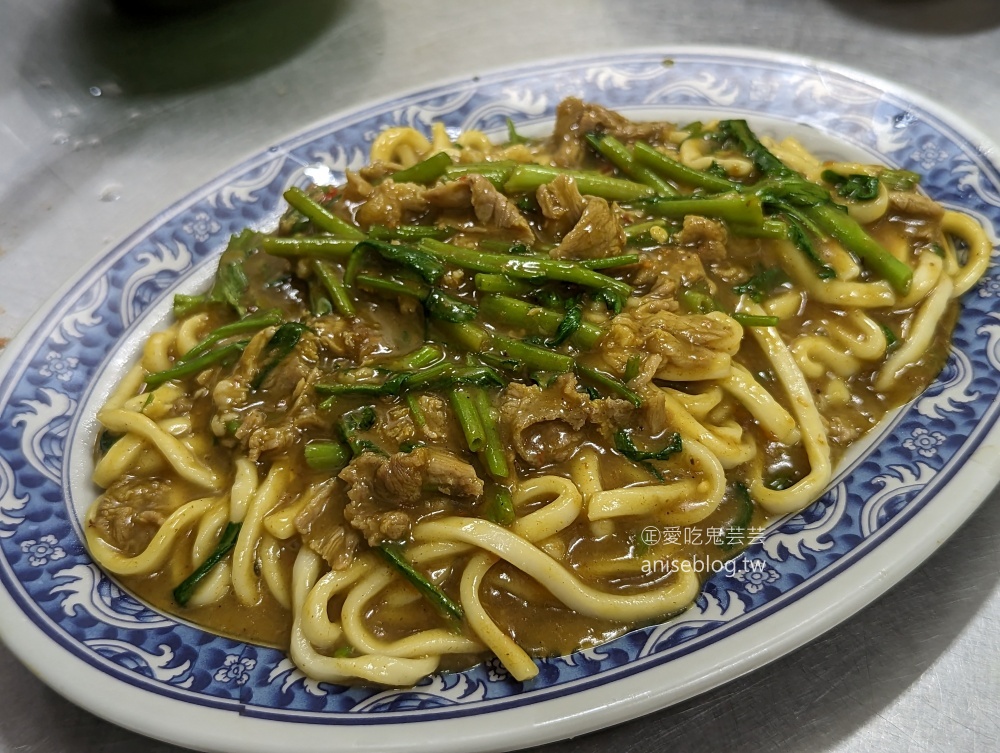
pixel 891 505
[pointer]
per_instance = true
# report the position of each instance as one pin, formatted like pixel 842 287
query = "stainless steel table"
pixel 105 121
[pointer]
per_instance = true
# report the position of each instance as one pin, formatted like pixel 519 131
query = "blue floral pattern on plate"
pixel 53 366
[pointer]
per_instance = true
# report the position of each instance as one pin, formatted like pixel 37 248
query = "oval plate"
pixel 890 506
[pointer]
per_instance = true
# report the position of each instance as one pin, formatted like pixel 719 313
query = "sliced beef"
pixel 575 119
pixel 561 204
pixel 665 271
pixel 281 377
pixel 493 209
pixel 455 194
pixel 690 348
pixel 921 215
pixel 406 476
pixel 590 228
pixel 547 424
pixel 598 233
pixel 354 339
pixel 438 428
pixel 274 416
pixel 705 237
pixel 490 206
pixel 324 530
pixel 388 493
pixel 377 171
pixel 391 204
pixel 356 187
pixel 131 511
pixel 257 437
pixel 915 206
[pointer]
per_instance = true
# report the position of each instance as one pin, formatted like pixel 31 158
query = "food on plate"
pixel 517 399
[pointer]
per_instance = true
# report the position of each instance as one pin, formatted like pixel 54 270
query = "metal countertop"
pixel 104 123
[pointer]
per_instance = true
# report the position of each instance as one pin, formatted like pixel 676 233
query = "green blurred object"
pixel 164 7
pixel 167 46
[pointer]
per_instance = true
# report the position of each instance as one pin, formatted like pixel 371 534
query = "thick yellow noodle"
pixel 563 584
pixel 387 670
pixel 980 248
pixel 159 550
pixel 174 451
pixel 811 429
pixel 683 502
pixel 245 582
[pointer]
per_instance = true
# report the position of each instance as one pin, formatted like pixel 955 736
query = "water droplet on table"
pixel 111 192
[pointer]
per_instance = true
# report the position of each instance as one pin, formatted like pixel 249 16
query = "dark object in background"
pixel 145 8
pixel 153 47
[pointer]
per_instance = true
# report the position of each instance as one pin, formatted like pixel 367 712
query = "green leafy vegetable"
pixel 334 287
pixel 538 320
pixel 415 410
pixel 438 598
pixel 529 267
pixel 184 592
pixel 185 305
pixel 316 247
pixel 734 207
pixel 438 376
pixel 320 216
pixel 797 234
pixel 441 305
pixel 426 355
pixel 447 375
pixel 570 323
pixel 409 232
pixel 760 286
pixel 697 301
pixel 468 418
pixel 425 265
pixel 625 445
pixel 252 323
pixel 809 206
pixel 105 442
pixel 513 137
pixel 278 347
pixel 532 356
pixel 755 320
pixel 500 506
pixel 632 367
pixel 899 180
pixel 890 337
pixel 230 283
pixel 681 173
pixel 319 302
pixel 525 178
pixel 358 420
pixel 609 382
pixel 427 171
pixel 223 355
pixel 853 187
pixel 496 173
pixel 736 531
pixel 326 455
pixel 495 246
pixel 619 155
pixel 493 455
